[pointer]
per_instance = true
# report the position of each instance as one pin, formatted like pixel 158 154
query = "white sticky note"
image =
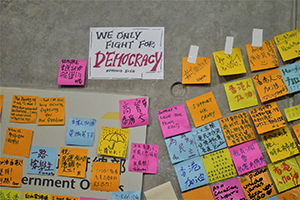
pixel 228 45
pixel 257 37
pixel 193 54
pixel 164 191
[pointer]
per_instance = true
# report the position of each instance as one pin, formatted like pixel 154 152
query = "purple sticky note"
pixel 173 120
pixel 143 158
pixel 230 189
pixel 247 157
pixel 71 72
pixel 134 112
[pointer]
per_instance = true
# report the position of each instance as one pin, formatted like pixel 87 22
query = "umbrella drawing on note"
pixel 115 138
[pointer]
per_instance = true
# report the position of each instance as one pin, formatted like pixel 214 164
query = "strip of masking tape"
pixel 228 45
pixel 257 37
pixel 111 116
pixel 193 54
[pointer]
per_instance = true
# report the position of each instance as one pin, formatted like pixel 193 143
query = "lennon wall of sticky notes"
pixel 204 109
pixel 11 172
pixel 240 94
pixel 173 120
pixel 134 112
pixel 113 141
pixel 229 189
pixel 51 111
pixel 229 64
pixel 279 144
pixel 35 196
pixel 10 194
pixel 267 117
pixel 24 109
pixel 71 72
pixel 17 141
pixel 292 113
pixel 291 76
pixel 196 73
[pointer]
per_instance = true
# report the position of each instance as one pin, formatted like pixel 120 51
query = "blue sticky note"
pixel 81 131
pixel 291 76
pixel 191 174
pixel 42 160
pixel 181 147
pixel 272 198
pixel 127 195
pixel 209 138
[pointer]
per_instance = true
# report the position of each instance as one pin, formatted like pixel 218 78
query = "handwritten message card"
pixel 285 174
pixel 81 131
pixel 291 76
pixel 263 57
pixel 247 157
pixel 11 172
pixel 173 120
pixel 240 94
pixel 229 64
pixel 219 165
pixel 267 118
pixel 17 141
pixel 288 44
pixel 191 174
pixel 196 73
pixel 24 109
pixel 202 192
pixel 126 195
pixel 134 112
pixel 42 160
pixel 292 194
pixel 72 162
pixel 60 197
pixel 181 147
pixel 143 158
pixel 296 129
pixel 209 137
pixel 204 109
pixel 10 194
pixel 230 189
pixel 279 144
pixel 270 85
pixel 36 196
pixel 1 102
pixel 258 185
pixel 51 111
pixel 71 72
pixel 292 113
pixel 113 141
pixel 105 176
pixel 237 128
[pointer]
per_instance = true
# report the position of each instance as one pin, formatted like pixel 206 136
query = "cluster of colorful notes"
pixel 196 73
pixel 71 72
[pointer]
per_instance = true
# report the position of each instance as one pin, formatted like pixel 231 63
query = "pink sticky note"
pixel 143 158
pixel 230 189
pixel 247 157
pixel 134 112
pixel 173 120
pixel 88 198
pixel 71 72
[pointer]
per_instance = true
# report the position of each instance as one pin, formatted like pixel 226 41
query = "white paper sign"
pixel 126 53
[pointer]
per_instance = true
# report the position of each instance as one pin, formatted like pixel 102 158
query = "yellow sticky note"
pixel 292 113
pixel 196 73
pixel 11 172
pixel 35 196
pixel 288 44
pixel 23 109
pixel 17 141
pixel 105 176
pixel 280 144
pixel 293 194
pixel 229 64
pixel 204 109
pixel 263 57
pixel 72 162
pixel 113 142
pixel 285 174
pixel 203 192
pixel 10 194
pixel 296 129
pixel 298 159
pixel 51 111
pixel 240 94
pixel 60 197
pixel 1 102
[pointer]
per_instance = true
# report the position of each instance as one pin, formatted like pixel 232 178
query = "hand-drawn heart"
pixel 269 192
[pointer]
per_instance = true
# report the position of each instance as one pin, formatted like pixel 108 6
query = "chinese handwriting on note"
pixel 36 196
pixel 291 76
pixel 230 189
pixel 10 194
pixel 60 197
pixel 292 113
pixel 296 129
pixel 23 109
pixel 11 172
pixel 198 73
pixel 127 195
pixel 51 111
pixel 71 72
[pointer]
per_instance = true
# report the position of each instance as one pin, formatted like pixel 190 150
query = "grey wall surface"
pixel 35 35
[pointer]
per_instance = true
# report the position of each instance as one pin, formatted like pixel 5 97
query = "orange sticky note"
pixel 60 197
pixel 35 196
pixel 203 192
pixel 51 111
pixel 105 176
pixel 17 141
pixel 1 102
pixel 204 109
pixel 293 194
pixel 296 129
pixel 11 172
pixel 263 57
pixel 72 162
pixel 270 85
pixel 196 73
pixel 267 118
pixel 23 109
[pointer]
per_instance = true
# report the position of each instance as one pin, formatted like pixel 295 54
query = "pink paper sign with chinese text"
pixel 71 72
pixel 134 112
